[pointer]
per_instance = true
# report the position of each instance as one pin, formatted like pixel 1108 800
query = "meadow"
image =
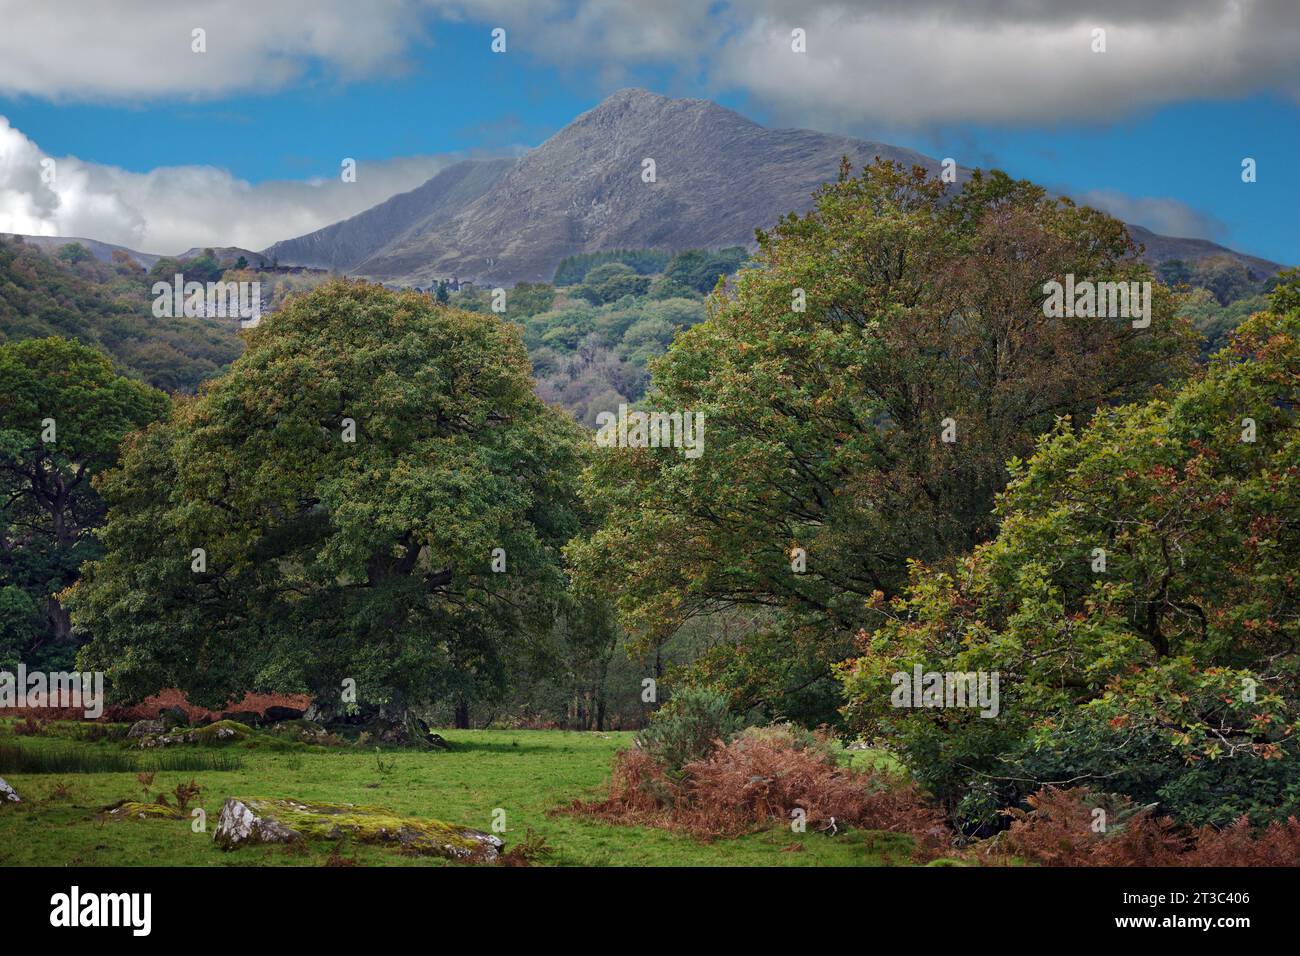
pixel 530 774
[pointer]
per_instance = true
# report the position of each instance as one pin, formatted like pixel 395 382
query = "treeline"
pixel 879 491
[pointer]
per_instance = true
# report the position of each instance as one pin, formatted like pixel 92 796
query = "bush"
pixel 760 779
pixel 687 728
pixel 1060 829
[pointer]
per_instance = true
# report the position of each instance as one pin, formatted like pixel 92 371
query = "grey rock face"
pixel 238 825
pixel 7 793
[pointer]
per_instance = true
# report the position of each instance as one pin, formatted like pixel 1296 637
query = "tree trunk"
pixel 462 714
pixel 59 619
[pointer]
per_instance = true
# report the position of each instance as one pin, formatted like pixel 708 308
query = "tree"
pixel 1141 604
pixel 612 281
pixel 700 269
pixel 528 299
pixel 922 318
pixel 63 415
pixel 405 560
pixel 75 252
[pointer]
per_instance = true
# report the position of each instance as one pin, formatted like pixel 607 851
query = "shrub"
pixel 759 779
pixel 687 728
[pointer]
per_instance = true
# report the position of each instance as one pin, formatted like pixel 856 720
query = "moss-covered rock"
pixel 220 732
pixel 131 810
pixel 280 820
pixel 305 731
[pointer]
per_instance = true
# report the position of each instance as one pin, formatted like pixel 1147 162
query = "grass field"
pixel 525 773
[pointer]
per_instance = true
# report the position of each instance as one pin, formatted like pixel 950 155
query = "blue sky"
pixel 1170 160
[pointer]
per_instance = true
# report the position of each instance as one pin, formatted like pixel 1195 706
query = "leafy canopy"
pixel 1141 602
pixel 328 559
pixel 824 425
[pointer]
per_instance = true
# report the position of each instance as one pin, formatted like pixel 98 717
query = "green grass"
pixel 32 758
pixel 525 773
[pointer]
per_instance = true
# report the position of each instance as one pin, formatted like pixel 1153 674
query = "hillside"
pixel 108 307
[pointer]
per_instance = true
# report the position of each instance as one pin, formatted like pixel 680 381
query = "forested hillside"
pixel 109 307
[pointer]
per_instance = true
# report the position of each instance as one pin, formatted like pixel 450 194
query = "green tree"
pixel 610 282
pixel 327 559
pixel 700 269
pixel 64 413
pixel 528 299
pixel 825 427
pixel 75 252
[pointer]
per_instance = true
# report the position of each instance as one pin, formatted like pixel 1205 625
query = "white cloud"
pixel 143 49
pixel 1169 217
pixel 172 208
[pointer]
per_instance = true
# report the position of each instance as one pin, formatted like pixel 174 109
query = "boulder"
pixel 7 793
pixel 278 820
pixel 273 715
pixel 147 728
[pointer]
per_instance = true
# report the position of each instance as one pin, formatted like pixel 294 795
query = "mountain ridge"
pixel 718 176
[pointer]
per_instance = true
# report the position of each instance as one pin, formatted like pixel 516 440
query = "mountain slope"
pixel 347 244
pixel 1158 248
pixel 718 176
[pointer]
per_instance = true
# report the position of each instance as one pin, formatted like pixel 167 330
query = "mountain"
pixel 718 176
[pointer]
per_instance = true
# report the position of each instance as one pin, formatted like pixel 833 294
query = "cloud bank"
pixel 897 62
pixel 172 208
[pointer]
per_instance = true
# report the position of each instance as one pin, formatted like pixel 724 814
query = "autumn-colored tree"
pixel 371 493
pixel 863 386
pixel 1141 604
